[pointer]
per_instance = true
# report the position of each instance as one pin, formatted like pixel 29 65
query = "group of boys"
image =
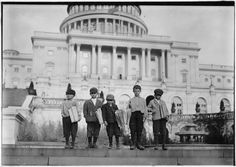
pixel 139 111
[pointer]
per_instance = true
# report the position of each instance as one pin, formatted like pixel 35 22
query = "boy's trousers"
pixel 136 127
pixel 69 128
pixel 159 128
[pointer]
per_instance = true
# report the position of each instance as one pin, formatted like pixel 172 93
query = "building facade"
pixel 109 47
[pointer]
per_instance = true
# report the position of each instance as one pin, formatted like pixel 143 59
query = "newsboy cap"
pixel 93 90
pixel 70 92
pixel 158 92
pixel 110 97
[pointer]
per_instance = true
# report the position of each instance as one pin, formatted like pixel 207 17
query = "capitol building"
pixel 108 47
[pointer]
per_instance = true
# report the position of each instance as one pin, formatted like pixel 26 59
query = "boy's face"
pixel 110 101
pixel 69 97
pixel 93 95
pixel 158 97
pixel 136 92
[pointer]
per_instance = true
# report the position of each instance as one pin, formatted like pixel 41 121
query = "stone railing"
pixel 219 116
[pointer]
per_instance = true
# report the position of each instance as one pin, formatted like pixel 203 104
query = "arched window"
pixel 202 105
pixel 178 105
pixel 226 105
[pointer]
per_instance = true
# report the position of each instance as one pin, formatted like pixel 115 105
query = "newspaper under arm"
pixel 75 116
pixel 99 115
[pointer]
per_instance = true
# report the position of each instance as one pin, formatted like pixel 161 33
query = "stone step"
pixel 179 152
pixel 69 161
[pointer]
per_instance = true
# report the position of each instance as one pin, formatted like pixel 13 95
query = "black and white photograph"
pixel 118 83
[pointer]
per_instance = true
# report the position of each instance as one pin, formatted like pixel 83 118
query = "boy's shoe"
pixel 89 145
pixel 67 146
pixel 110 146
pixel 72 146
pixel 156 148
pixel 163 147
pixel 132 147
pixel 117 146
pixel 140 147
pixel 94 145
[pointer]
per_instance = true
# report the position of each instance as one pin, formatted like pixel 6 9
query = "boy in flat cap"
pixel 69 127
pixel 93 125
pixel 160 115
pixel 109 118
pixel 138 108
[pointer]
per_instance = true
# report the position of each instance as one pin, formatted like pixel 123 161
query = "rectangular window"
pixel 119 56
pixel 183 60
pixel 133 57
pixel 152 58
pixel 29 70
pixel 16 69
pixel 50 52
pixel 184 77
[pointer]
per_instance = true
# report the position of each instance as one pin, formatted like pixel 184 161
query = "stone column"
pixel 99 60
pixel 135 29
pixel 128 28
pixel 148 62
pixel 113 64
pixel 121 27
pixel 114 26
pixel 196 68
pixel 143 72
pixel 97 24
pixel 71 59
pixel 94 59
pixel 163 65
pixel 82 25
pixel 176 67
pixel 77 64
pixel 89 24
pixel 172 67
pixel 129 77
pixel 105 25
pixel 168 68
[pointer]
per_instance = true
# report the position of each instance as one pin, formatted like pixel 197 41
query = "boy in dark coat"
pixel 69 128
pixel 109 118
pixel 93 125
pixel 160 115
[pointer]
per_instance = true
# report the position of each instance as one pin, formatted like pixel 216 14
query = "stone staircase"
pixel 177 154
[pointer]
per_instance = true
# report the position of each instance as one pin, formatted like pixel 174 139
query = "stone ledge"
pixel 125 152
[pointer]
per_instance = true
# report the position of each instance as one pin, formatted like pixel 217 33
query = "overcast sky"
pixel 211 26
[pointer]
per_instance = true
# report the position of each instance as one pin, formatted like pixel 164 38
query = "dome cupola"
pixel 105 19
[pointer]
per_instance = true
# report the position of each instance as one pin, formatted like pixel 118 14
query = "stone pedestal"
pixel 11 122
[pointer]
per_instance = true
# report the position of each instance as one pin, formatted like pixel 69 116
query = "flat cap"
pixel 158 92
pixel 110 97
